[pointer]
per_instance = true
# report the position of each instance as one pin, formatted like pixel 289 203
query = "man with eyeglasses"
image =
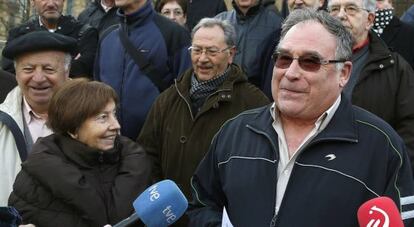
pixel 381 81
pixel 184 118
pixel 309 159
pixel 258 29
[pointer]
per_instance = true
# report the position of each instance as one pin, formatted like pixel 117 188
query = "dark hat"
pixel 38 41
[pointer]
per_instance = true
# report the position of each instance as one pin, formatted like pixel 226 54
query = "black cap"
pixel 38 41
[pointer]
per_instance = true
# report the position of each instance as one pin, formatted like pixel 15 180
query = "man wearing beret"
pixel 51 19
pixel 42 61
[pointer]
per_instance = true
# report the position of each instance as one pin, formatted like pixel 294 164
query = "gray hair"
pixel 228 29
pixel 344 41
pixel 67 62
pixel 369 5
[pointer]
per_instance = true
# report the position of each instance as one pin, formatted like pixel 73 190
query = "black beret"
pixel 38 41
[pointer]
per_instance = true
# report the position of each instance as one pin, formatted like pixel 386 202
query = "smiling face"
pixel 207 66
pixel 39 74
pixel 301 94
pixel 100 131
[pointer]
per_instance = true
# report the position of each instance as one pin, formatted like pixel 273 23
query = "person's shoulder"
pixel 22 29
pixel 374 124
pixel 226 15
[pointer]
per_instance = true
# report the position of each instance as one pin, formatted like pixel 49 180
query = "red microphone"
pixel 379 212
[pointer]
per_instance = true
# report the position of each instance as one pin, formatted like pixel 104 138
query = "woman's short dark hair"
pixel 160 3
pixel 76 101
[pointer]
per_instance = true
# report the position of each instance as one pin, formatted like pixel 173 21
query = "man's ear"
pixel 321 2
pixel 371 19
pixel 345 74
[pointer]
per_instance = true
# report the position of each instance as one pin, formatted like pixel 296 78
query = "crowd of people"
pixel 257 114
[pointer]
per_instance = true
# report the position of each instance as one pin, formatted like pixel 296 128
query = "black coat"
pixel 198 9
pixel 86 35
pixel 399 37
pixel 7 83
pixel 66 183
pixel 96 16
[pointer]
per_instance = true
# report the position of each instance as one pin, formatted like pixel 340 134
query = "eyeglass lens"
pixel 309 63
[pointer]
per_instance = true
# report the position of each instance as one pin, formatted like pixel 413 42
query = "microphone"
pixel 379 212
pixel 159 205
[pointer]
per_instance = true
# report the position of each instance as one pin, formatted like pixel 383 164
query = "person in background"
pixel 300 4
pixel 42 62
pixel 396 34
pixel 100 14
pixel 184 118
pixel 311 158
pixel 199 9
pixel 381 81
pixel 257 26
pixel 85 174
pixel 50 19
pixel 176 10
pixel 7 83
pixel 161 45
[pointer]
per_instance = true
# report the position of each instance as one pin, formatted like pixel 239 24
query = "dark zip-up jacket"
pixel 96 16
pixel 178 139
pixel 240 173
pixel 86 35
pixel 163 42
pixel 257 32
pixel 66 183
pixel 385 87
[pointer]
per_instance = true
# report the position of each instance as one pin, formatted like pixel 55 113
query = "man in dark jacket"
pixel 257 26
pixel 159 41
pixel 100 14
pixel 7 83
pixel 381 81
pixel 51 19
pixel 311 158
pixel 396 34
pixel 198 9
pixel 185 117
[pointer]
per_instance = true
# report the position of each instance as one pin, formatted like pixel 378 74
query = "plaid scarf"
pixel 199 91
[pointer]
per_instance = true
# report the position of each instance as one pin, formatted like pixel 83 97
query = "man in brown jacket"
pixel 185 117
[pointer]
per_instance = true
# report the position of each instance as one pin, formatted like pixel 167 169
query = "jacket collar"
pixel 65 25
pixel 235 75
pixel 139 16
pixel 85 155
pixel 379 58
pixel 222 94
pixel 341 127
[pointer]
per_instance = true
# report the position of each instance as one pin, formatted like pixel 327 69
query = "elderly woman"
pixel 85 174
pixel 176 10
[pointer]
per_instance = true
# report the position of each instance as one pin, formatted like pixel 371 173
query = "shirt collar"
pixel 41 24
pixel 28 112
pixel 322 121
pixel 106 8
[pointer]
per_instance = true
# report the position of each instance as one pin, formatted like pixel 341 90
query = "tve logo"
pixel 170 216
pixel 154 194
pixel 375 222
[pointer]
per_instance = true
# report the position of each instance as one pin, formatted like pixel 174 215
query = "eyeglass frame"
pixel 358 9
pixel 321 62
pixel 206 50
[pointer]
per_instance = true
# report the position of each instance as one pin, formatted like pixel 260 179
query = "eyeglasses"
pixel 308 62
pixel 175 12
pixel 211 51
pixel 349 9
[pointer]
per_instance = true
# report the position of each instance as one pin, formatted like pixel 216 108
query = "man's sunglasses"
pixel 308 62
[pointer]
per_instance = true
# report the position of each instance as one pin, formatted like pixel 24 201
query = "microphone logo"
pixel 377 222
